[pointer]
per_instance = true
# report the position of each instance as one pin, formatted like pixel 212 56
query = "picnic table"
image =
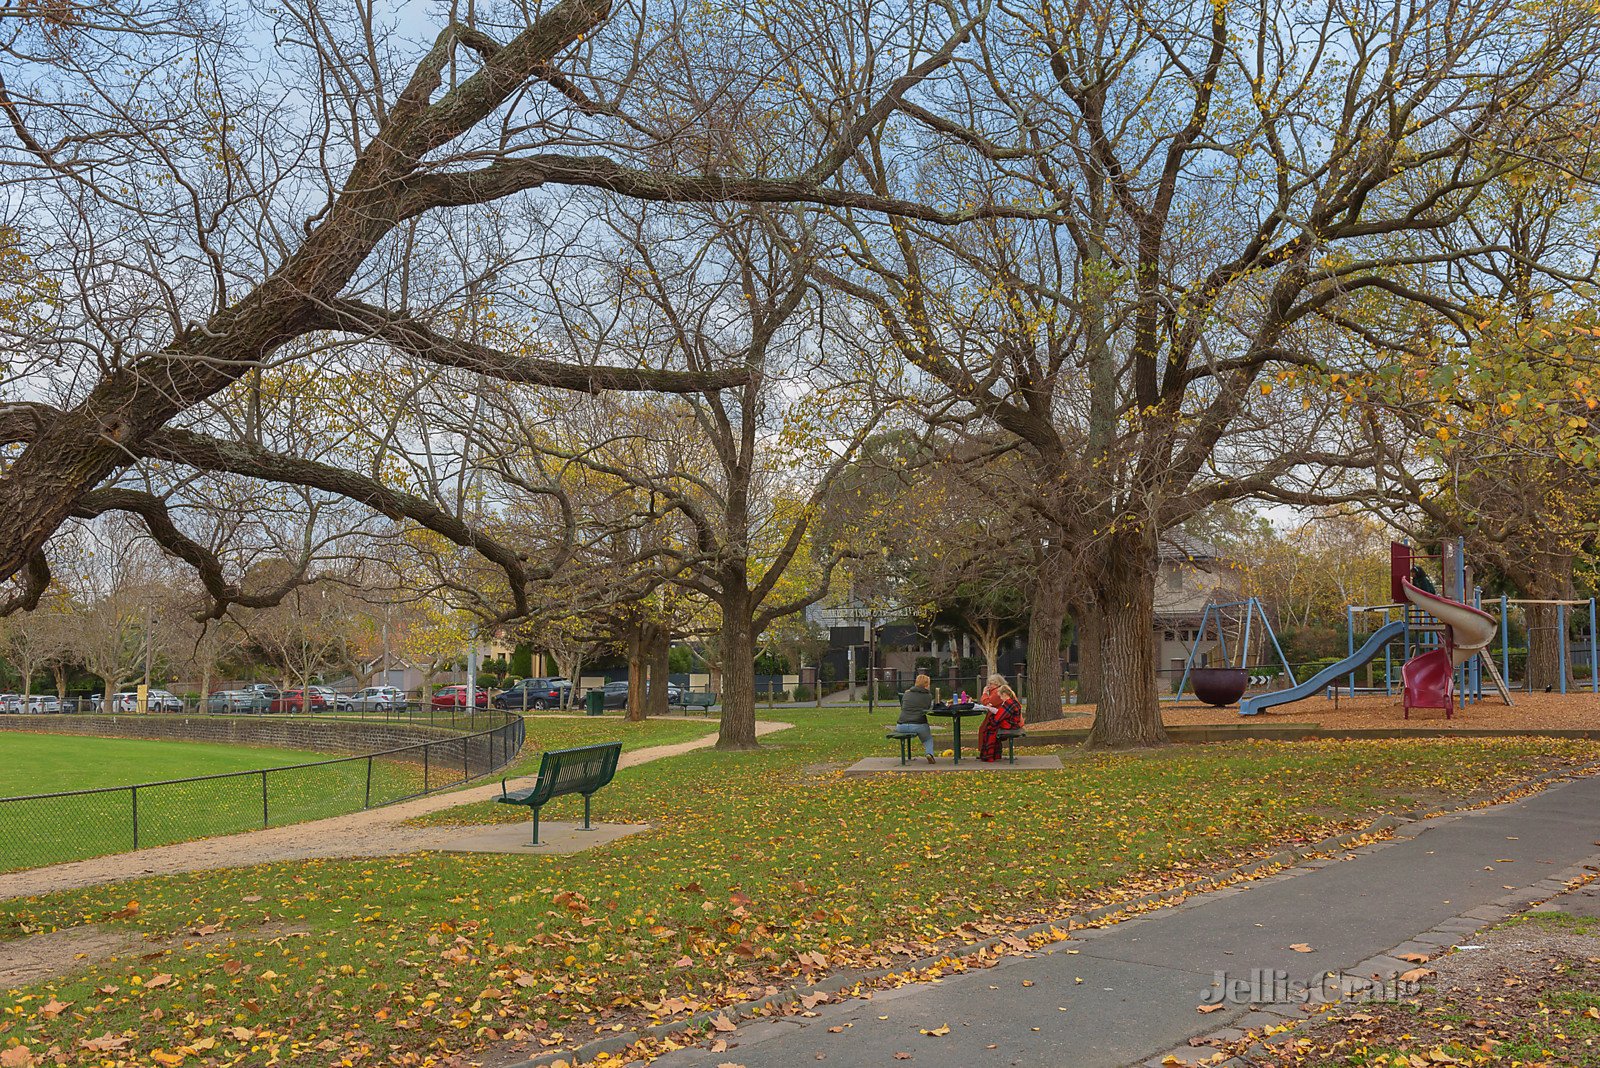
pixel 955 714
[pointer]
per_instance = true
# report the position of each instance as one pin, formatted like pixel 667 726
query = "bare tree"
pixel 1232 219
pixel 200 237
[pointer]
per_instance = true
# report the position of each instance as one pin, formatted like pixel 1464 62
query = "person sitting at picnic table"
pixel 914 705
pixel 1005 714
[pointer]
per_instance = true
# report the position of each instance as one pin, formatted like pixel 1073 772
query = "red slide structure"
pixel 1430 678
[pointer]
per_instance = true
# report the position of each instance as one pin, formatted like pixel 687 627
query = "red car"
pixel 295 701
pixel 456 697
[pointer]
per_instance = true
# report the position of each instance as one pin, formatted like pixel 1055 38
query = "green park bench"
pixel 580 770
pixel 698 699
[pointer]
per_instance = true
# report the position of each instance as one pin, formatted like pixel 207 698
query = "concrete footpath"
pixel 1128 994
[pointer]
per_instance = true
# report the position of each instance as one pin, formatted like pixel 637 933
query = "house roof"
pixel 1178 545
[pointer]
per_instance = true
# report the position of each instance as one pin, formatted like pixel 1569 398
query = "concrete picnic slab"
pixel 555 836
pixel 919 766
pixel 1129 993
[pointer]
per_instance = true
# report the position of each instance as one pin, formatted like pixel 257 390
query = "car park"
pixel 379 699
pixel 535 693
pixel 163 701
pixel 456 697
pixel 616 694
pixel 235 702
pixel 339 702
pixel 295 701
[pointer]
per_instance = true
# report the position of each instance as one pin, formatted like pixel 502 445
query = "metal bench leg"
pixel 535 826
pixel 586 812
pixel 1011 749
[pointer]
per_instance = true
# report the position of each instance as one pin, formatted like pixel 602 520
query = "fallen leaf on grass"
pixel 105 1043
pixel 53 1008
pixel 18 1057
pixel 156 982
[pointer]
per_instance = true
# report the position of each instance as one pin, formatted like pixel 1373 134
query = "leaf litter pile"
pixel 1524 996
pixel 758 874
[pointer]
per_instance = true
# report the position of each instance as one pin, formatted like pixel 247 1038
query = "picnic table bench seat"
pixel 580 770
pixel 1010 738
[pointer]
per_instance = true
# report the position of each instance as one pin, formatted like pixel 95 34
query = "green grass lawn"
pixel 45 763
pixel 756 859
pixel 52 830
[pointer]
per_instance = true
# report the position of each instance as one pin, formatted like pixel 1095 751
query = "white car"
pixel 379 699
pixel 10 702
pixel 39 704
pixel 157 701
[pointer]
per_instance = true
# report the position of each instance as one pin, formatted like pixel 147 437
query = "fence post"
pixel 466 748
pixel 368 802
pixel 1561 642
pixel 263 798
pixel 134 793
pixel 425 747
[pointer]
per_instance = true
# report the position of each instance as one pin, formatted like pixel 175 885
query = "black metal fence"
pixel 42 829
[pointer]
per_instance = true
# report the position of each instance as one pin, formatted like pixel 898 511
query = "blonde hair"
pixel 923 681
pixel 998 682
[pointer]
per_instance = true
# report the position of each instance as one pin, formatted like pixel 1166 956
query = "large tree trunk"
pixel 638 682
pixel 105 698
pixel 1090 627
pixel 1545 633
pixel 1129 712
pixel 1046 617
pixel 60 672
pixel 657 654
pixel 738 728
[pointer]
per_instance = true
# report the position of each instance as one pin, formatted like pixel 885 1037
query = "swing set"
pixel 1224 683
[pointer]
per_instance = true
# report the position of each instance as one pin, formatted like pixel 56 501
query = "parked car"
pixel 163 701
pixel 534 693
pixel 339 702
pixel 379 699
pixel 456 697
pixel 296 701
pixel 271 692
pixel 233 702
pixel 616 695
pixel 39 704
pixel 10 702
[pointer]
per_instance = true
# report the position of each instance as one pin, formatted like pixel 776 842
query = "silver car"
pixel 229 702
pixel 379 699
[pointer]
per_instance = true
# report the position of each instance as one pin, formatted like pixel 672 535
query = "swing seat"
pixel 1219 686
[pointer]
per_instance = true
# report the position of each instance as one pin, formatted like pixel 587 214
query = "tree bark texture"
pixel 1129 711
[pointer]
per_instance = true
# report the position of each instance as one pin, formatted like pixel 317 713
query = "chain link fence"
pixel 52 828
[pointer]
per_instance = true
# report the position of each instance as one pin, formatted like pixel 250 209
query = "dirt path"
pixel 373 833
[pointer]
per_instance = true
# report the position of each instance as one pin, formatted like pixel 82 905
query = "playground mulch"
pixel 1530 711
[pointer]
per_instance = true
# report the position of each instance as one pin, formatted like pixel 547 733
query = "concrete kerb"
pixel 1281 864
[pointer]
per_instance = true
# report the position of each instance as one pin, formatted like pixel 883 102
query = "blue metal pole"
pixel 1505 640
pixel 1244 645
pixel 1561 642
pixel 1594 652
pixel 1276 647
pixel 1188 660
pixel 1350 640
pixel 1388 659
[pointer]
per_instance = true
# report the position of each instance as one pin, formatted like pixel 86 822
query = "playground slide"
pixel 1322 679
pixel 1471 631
